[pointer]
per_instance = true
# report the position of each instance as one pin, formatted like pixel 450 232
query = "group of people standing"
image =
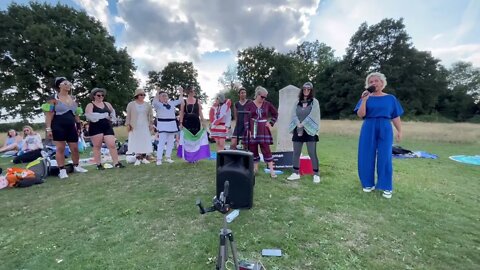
pixel 254 121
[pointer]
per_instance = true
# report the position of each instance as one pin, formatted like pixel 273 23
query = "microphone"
pixel 371 89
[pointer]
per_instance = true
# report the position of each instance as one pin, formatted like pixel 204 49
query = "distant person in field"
pixel 139 122
pixel 220 120
pixel 167 126
pixel 305 126
pixel 239 115
pixel 62 122
pixel 100 115
pixel 378 110
pixel 262 117
pixel 31 146
pixel 12 143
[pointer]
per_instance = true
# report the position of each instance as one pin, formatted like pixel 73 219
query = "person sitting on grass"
pixel 31 147
pixel 12 144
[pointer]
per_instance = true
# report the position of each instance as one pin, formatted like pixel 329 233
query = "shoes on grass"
pixel 316 179
pixel 145 161
pixel 387 194
pixel 293 176
pixel 100 167
pixel 368 189
pixel 159 162
pixel 63 174
pixel 79 169
pixel 169 160
pixel 137 162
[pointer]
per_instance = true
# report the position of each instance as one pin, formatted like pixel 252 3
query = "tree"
pixel 230 83
pixel 461 100
pixel 39 42
pixel 314 58
pixel 262 66
pixel 175 74
pixel 415 77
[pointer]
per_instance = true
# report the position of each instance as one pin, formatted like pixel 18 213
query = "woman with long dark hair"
pixel 193 138
pixel 305 126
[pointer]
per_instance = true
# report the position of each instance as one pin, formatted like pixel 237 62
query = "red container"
pixel 305 166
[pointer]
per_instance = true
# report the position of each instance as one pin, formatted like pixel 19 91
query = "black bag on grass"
pixel 398 150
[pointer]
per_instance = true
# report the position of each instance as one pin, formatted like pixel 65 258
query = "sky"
pixel 209 33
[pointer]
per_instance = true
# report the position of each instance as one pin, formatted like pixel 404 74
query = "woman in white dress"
pixel 139 126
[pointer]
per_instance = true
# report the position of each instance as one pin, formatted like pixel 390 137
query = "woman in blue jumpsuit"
pixel 376 136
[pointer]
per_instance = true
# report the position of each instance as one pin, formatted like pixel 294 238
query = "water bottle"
pixel 232 215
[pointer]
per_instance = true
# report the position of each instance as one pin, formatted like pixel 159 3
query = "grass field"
pixel 145 217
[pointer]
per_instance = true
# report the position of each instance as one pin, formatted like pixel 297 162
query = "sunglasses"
pixel 26 130
pixel 141 95
pixel 264 97
pixel 99 95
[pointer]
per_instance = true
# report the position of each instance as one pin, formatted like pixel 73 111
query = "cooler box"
pixel 305 166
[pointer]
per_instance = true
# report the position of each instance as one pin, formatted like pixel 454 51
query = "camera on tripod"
pixel 226 235
pixel 219 204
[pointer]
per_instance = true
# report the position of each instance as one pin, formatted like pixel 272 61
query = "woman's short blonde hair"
pixel 260 90
pixel 376 74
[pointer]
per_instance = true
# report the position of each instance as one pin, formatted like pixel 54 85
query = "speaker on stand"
pixel 237 168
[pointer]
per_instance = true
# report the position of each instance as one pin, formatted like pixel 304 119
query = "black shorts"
pixel 64 128
pixel 304 138
pixel 101 127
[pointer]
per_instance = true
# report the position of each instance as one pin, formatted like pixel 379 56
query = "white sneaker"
pixel 145 161
pixel 159 162
pixel 293 176
pixel 387 194
pixel 79 169
pixel 137 162
pixel 316 179
pixel 369 189
pixel 169 160
pixel 63 174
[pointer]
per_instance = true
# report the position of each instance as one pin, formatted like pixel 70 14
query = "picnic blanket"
pixel 416 154
pixel 473 160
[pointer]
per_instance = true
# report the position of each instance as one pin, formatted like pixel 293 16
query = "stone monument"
pixel 288 96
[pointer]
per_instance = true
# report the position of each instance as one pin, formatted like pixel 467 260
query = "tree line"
pixel 426 89
pixel 39 42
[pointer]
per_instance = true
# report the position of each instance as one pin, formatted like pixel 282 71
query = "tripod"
pixel 226 235
pixel 226 239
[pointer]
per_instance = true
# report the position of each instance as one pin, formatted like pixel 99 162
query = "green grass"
pixel 145 217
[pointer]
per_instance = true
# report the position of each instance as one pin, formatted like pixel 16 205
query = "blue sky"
pixel 210 32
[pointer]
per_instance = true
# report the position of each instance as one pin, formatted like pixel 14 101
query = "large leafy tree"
pixel 263 66
pixel 414 76
pixel 39 42
pixel 314 58
pixel 175 74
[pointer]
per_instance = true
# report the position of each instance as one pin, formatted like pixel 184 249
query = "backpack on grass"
pixel 34 174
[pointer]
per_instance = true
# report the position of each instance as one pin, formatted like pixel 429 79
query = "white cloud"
pixel 464 52
pixel 97 9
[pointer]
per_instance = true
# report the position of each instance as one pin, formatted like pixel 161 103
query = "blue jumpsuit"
pixel 376 139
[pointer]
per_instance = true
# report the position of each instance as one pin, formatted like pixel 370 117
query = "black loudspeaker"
pixel 236 167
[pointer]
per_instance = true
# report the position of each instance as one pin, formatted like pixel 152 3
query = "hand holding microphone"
pixel 368 91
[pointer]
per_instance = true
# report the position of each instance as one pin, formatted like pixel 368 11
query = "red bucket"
pixel 305 166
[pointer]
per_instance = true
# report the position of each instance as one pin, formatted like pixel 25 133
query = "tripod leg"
pixel 222 252
pixel 233 247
